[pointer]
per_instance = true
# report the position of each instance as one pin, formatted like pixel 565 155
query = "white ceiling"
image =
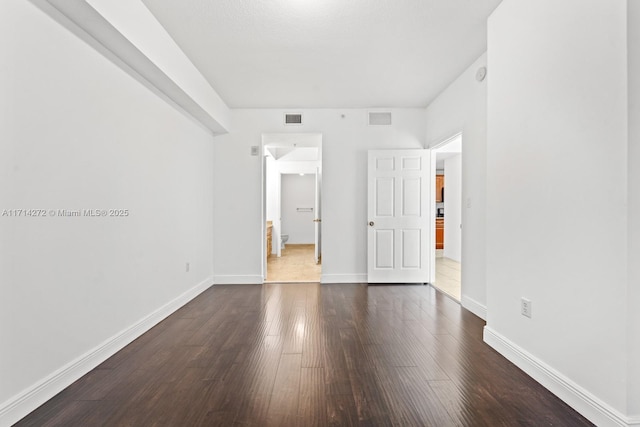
pixel 327 53
pixel 441 157
pixel 447 150
pixel 295 147
pixel 292 154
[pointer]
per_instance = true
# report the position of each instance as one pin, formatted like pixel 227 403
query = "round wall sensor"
pixel 481 74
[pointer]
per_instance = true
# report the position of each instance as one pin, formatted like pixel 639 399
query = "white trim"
pixel 290 281
pixel 232 279
pixel 24 403
pixel 583 401
pixel 474 306
pixel 343 278
pixel 445 141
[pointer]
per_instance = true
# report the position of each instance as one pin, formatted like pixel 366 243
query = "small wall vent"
pixel 379 118
pixel 293 119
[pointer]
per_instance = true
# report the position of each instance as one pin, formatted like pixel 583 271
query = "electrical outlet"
pixel 525 307
pixel 188 266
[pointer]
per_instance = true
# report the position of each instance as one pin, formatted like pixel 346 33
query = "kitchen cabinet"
pixel 439 233
pixel 439 188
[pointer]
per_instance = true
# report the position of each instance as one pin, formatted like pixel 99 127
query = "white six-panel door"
pixel 398 217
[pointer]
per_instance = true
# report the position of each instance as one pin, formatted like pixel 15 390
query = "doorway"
pixel 292 180
pixel 447 159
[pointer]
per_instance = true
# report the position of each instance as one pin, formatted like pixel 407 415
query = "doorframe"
pixel 263 186
pixel 434 148
pixel 263 211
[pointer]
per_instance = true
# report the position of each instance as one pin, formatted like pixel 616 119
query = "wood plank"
pixel 365 383
pixel 312 403
pixel 283 406
pixel 309 354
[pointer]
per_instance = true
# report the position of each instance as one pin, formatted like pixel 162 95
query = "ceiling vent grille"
pixel 293 119
pixel 380 118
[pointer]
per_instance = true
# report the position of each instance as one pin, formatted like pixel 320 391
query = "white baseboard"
pixel 251 279
pixel 594 409
pixel 24 403
pixel 474 306
pixel 343 278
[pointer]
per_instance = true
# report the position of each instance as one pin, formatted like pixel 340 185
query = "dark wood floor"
pixel 309 355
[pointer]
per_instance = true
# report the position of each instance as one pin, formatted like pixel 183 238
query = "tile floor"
pixel 297 264
pixel 448 277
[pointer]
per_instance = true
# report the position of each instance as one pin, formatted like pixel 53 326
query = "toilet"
pixel 283 239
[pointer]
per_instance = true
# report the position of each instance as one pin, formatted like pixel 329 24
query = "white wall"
pixel 273 201
pixel 345 141
pixel 304 166
pixel 633 39
pixel 462 107
pixel 298 192
pixel 76 132
pixel 453 208
pixel 557 136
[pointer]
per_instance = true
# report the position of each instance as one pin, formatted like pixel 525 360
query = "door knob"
pixel 317 220
pixel 371 223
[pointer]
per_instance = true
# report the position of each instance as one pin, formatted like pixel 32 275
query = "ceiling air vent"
pixel 380 118
pixel 293 119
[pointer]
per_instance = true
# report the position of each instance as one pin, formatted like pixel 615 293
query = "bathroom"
pixel 292 207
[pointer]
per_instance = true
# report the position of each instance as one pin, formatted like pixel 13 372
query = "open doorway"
pixel 292 207
pixel 448 216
